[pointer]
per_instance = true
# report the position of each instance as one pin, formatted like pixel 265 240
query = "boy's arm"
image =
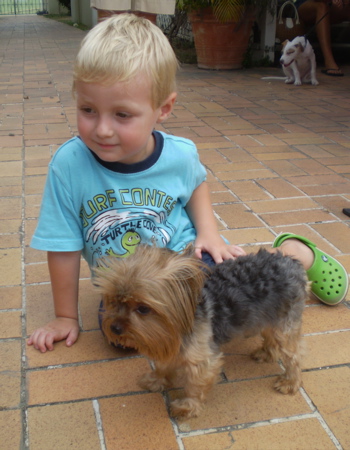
pixel 208 239
pixel 64 270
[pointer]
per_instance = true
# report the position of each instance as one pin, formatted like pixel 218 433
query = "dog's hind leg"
pixel 284 345
pixel 269 351
pixel 290 351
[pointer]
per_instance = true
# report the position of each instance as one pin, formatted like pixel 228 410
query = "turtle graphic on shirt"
pixel 120 225
pixel 129 242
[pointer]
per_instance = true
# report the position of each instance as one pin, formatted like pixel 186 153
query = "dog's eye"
pixel 143 310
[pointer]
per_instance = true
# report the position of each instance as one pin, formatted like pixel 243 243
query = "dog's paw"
pixel 185 408
pixel 289 80
pixel 314 83
pixel 152 383
pixel 297 83
pixel 262 355
pixel 286 385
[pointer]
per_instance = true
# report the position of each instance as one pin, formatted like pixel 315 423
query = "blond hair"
pixel 123 46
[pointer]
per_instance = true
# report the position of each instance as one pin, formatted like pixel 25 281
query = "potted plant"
pixel 222 29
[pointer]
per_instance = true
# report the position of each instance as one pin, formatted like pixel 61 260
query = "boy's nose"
pixel 104 128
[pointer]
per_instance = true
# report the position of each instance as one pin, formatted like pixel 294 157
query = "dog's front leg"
pixel 296 74
pixel 158 380
pixel 199 379
pixel 289 74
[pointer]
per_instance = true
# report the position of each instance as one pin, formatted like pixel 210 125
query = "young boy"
pixel 120 183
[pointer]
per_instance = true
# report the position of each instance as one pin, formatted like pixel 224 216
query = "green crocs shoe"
pixel 329 278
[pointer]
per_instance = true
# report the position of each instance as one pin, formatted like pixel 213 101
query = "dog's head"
pixel 150 299
pixel 291 50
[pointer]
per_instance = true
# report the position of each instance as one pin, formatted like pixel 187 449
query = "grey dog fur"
pixel 252 292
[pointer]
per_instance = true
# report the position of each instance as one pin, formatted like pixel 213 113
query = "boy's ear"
pixel 167 107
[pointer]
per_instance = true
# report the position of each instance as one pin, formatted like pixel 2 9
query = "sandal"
pixel 329 279
pixel 333 72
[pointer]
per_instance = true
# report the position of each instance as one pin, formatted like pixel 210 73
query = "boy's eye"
pixel 86 109
pixel 143 310
pixel 122 115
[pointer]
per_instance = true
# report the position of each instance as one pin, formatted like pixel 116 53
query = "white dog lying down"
pixel 299 62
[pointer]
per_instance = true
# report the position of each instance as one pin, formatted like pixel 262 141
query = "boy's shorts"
pixel 207 259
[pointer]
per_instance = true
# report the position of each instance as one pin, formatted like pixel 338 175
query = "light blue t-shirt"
pixel 106 208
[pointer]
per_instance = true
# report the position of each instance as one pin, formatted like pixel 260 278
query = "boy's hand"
pixel 217 248
pixel 208 239
pixel 59 329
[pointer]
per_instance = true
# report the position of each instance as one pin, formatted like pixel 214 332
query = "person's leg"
pixel 340 14
pixel 329 279
pixel 311 12
pixel 296 249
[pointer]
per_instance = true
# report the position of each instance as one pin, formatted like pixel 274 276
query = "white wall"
pixel 83 13
pixel 55 8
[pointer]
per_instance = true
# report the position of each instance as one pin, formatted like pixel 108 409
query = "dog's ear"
pixel 300 47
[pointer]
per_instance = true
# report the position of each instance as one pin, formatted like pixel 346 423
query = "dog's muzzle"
pixel 286 65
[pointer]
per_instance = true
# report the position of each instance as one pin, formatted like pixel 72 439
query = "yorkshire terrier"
pixel 177 312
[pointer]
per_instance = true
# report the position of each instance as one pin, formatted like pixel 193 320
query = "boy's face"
pixel 116 121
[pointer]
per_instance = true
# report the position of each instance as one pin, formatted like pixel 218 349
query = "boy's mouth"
pixel 106 146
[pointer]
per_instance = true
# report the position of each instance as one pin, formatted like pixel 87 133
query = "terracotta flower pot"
pixel 220 45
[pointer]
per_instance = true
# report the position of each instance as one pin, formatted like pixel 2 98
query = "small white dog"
pixel 299 62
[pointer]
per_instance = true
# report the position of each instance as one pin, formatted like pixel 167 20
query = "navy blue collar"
pixel 139 166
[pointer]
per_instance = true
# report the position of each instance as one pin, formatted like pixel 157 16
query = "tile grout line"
pixel 321 333
pixel 250 425
pixel 99 424
pixel 173 422
pixel 23 399
pixel 321 420
pixel 90 362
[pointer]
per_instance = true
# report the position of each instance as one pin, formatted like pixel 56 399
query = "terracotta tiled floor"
pixel 278 159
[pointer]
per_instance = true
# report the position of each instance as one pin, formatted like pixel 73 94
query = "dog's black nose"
pixel 117 329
